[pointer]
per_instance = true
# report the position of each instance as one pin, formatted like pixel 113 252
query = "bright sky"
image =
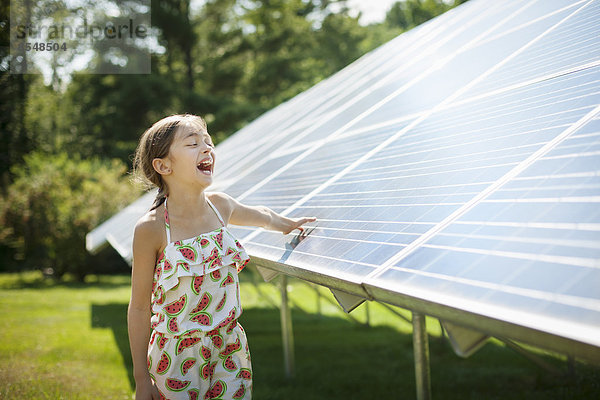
pixel 372 10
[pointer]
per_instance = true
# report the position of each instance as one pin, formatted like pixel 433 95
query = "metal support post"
pixel 421 354
pixel 287 333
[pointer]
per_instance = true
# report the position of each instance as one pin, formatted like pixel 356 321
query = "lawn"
pixel 69 341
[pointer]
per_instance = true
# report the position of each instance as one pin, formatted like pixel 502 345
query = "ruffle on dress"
pixel 198 256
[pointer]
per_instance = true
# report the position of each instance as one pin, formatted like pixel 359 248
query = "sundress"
pixel 197 348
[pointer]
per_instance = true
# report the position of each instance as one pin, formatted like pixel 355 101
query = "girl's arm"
pixel 264 217
pixel 139 311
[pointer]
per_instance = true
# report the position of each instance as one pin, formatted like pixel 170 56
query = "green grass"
pixel 69 341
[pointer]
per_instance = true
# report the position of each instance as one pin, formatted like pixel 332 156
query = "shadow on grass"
pixel 114 316
pixel 330 352
pixel 339 359
pixel 335 358
pixel 36 280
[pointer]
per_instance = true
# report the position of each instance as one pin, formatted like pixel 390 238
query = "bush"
pixel 53 202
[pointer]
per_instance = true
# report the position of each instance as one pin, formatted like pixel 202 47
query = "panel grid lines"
pixel 538 240
pixel 569 175
pixel 563 199
pixel 424 238
pixel 377 105
pixel 572 261
pixel 553 225
pixel 554 187
pixel 405 189
pixel 394 150
pixel 380 197
pixel 586 303
pixel 350 240
pixel 577 45
pixel 429 173
pixel 435 160
pixel 520 85
pixel 517 104
pixel 401 132
pixel 375 221
pixel 299 252
pixel 530 22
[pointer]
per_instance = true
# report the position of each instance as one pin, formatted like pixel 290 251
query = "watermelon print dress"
pixel 197 348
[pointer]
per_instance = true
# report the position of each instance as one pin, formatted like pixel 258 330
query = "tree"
pixel 173 18
pixel 410 13
pixel 14 138
pixel 341 41
pixel 106 114
pixel 54 201
pixel 281 42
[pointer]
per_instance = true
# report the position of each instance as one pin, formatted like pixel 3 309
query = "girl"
pixel 184 336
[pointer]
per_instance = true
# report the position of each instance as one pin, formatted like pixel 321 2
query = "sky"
pixel 372 10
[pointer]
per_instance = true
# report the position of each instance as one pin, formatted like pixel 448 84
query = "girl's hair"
pixel 155 143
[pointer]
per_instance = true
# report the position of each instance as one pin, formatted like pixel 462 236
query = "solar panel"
pixel 529 251
pixel 423 175
pixel 571 45
pixel 118 230
pixel 453 171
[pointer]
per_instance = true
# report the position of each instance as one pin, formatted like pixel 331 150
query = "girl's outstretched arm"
pixel 264 217
pixel 145 245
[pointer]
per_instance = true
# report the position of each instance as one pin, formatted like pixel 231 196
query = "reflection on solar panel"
pixel 455 171
pixel 529 252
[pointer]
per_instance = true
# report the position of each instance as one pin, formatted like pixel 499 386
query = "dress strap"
pixel 216 211
pixel 167 227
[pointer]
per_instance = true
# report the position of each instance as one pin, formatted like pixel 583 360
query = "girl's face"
pixel 191 155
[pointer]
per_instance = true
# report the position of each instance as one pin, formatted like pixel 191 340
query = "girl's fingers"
pixel 304 221
pixel 298 224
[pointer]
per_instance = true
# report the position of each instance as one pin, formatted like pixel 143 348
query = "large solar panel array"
pixel 454 170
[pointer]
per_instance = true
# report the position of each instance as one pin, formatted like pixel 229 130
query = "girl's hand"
pixel 146 391
pixel 289 224
pixel 241 214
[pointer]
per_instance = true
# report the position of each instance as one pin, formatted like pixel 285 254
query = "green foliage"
pixel 106 114
pixel 407 14
pixel 341 41
pixel 14 142
pixel 279 43
pixel 54 201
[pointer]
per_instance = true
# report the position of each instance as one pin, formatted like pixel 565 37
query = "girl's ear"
pixel 161 166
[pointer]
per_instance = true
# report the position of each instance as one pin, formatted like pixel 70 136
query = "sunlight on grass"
pixel 69 341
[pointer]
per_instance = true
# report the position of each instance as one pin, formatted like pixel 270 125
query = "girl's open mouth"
pixel 205 167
